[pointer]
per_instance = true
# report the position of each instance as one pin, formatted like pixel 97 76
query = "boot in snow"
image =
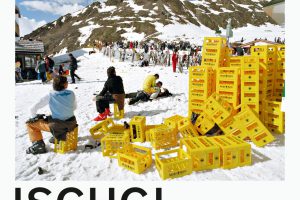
pixel 100 117
pixel 107 112
pixel 37 147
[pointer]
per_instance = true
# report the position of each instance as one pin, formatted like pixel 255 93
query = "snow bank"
pixel 86 32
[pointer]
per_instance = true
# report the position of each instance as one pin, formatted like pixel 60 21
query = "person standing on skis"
pixel 113 91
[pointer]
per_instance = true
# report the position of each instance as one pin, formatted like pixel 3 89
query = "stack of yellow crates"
pixel 201 86
pixel 228 84
pixel 274 118
pixel 267 56
pixel 279 73
pixel 250 82
pixel 214 52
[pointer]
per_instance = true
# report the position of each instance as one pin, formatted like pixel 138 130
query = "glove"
pixel 36 118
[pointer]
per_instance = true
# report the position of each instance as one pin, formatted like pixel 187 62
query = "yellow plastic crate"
pixel 169 165
pixel 214 42
pixel 200 72
pixel 147 132
pixel 138 128
pixel 194 109
pixel 213 62
pixel 197 83
pixel 217 108
pixel 250 98
pixel 275 119
pixel 204 123
pixel 275 129
pixel 163 136
pixel 272 107
pixel 99 130
pixel 199 94
pixel 204 153
pixel 265 51
pixel 233 154
pixel 118 114
pixel 70 144
pixel 228 74
pixel 250 62
pixel 231 97
pixel 111 144
pixel 137 159
pixel 186 128
pixel 236 61
pixel 213 52
pixel 280 51
pixel 256 130
pixel 173 121
pixel 230 127
pixel 244 150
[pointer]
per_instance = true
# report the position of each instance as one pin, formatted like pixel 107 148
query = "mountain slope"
pixel 145 19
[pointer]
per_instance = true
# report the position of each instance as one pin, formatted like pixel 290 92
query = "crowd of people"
pixel 178 54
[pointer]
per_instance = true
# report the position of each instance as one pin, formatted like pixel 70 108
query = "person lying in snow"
pixel 113 91
pixel 143 96
pixel 62 104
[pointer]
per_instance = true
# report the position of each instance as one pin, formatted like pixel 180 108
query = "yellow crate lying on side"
pixel 111 144
pixel 147 132
pixel 163 136
pixel 137 159
pixel 233 152
pixel 204 123
pixel 173 121
pixel 231 127
pixel 173 166
pixel 70 144
pixel 204 153
pixel 258 133
pixel 138 128
pixel 217 108
pixel 244 150
pixel 186 128
pixel 99 130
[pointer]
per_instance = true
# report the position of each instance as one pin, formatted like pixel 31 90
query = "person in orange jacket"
pixel 174 59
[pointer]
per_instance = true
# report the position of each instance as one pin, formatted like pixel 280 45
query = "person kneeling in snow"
pixel 113 91
pixel 62 104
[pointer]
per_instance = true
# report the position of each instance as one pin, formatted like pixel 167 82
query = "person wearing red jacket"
pixel 174 60
pixel 131 45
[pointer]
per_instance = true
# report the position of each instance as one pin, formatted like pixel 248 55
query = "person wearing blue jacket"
pixel 62 104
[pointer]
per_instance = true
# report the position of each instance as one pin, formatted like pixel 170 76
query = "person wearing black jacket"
pixel 113 91
pixel 73 67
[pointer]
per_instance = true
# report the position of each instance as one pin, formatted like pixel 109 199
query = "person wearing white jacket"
pixel 62 104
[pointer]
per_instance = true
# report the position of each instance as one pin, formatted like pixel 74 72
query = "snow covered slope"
pixel 141 20
pixel 268 162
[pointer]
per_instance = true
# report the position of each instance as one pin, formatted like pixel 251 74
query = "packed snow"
pixel 86 32
pixel 89 164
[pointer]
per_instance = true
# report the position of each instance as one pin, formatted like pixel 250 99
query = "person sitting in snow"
pixel 62 104
pixel 113 91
